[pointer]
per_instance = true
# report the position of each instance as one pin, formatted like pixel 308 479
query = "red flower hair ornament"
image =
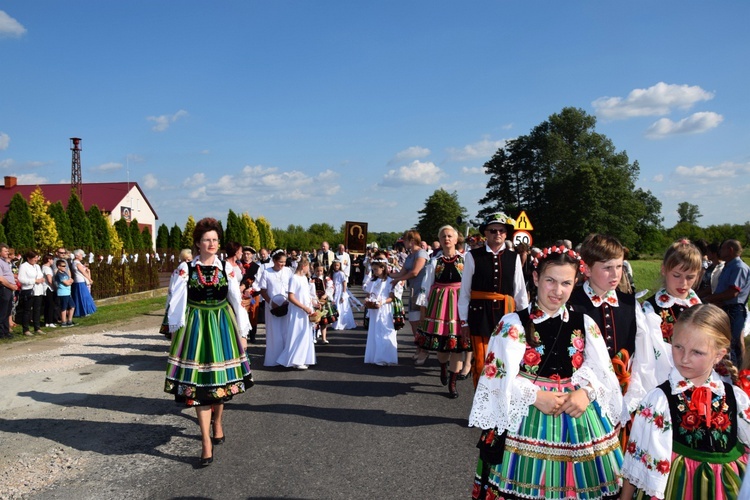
pixel 557 249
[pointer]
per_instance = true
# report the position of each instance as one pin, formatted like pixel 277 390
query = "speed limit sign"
pixel 522 237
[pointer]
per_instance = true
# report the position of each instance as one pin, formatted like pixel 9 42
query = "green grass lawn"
pixel 108 314
pixel 647 275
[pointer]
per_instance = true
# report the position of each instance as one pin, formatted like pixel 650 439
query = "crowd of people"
pixel 43 291
pixel 580 390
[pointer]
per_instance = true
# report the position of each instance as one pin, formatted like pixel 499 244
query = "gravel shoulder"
pixel 72 394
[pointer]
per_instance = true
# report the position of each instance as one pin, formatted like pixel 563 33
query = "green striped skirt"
pixel 555 457
pixel 704 474
pixel 206 364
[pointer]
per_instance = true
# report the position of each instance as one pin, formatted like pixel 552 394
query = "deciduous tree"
pixel 569 179
pixel 440 208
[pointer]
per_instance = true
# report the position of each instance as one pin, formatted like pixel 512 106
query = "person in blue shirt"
pixel 64 282
pixel 731 294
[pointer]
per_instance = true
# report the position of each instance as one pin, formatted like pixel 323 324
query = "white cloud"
pixel 327 175
pixel 32 179
pixel 483 149
pixel 164 121
pixel 150 181
pixel 196 179
pixel 9 27
pixel 410 153
pixel 256 170
pixel 719 172
pixel 415 173
pixel 659 99
pixel 4 141
pixel 472 170
pixel 7 163
pixel 696 123
pixel 108 167
pixel 658 178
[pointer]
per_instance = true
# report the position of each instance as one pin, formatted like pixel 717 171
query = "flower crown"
pixel 277 252
pixel 560 249
pixel 379 261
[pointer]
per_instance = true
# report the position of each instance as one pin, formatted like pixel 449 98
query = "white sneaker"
pixel 51 325
pixel 301 367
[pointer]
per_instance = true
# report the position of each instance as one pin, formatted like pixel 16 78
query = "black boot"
pixel 452 391
pixel 444 373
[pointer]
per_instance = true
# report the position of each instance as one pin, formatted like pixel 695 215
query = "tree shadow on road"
pixel 377 417
pixel 106 438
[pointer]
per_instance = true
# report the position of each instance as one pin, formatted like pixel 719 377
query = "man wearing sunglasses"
pixel 492 285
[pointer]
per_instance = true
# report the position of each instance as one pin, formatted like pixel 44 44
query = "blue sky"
pixel 327 111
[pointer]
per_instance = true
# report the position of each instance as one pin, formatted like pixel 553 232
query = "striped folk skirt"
pixel 555 457
pixel 441 328
pixel 206 363
pixel 704 474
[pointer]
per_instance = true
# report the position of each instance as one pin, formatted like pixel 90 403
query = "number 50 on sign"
pixel 522 237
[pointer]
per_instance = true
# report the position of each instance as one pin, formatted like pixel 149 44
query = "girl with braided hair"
pixel 548 399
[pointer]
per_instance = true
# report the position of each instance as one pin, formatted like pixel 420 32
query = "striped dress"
pixel 525 453
pixel 206 364
pixel 440 330
pixel 678 450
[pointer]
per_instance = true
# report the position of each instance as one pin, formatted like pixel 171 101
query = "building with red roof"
pixel 115 200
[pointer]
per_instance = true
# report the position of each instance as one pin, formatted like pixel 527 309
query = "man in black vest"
pixel 492 285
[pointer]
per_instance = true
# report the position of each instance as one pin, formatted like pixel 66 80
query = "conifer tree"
pixel 123 232
pixel 19 228
pixel 175 238
pixel 233 231
pixel 62 223
pixel 187 233
pixel 79 223
pixel 147 243
pixel 2 234
pixel 162 237
pixel 266 235
pixel 99 229
pixel 135 236
pixel 253 237
pixel 45 230
pixel 115 243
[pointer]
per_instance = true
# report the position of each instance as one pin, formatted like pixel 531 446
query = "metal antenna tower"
pixel 76 183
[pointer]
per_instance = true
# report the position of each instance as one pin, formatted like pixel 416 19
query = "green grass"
pixel 113 313
pixel 647 275
pixel 108 314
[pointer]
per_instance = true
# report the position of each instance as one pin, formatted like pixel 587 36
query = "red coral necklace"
pixel 202 279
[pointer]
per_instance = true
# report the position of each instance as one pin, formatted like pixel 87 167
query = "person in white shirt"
pixel 346 262
pixel 31 295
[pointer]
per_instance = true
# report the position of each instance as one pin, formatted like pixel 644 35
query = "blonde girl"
pixel 689 434
pixel 681 269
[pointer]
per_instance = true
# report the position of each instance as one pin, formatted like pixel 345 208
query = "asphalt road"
pixel 340 430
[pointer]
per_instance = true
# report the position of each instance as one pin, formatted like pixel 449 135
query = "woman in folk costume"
pixel 207 361
pixel 548 399
pixel 440 328
pixel 341 298
pixel 690 435
pixel 274 287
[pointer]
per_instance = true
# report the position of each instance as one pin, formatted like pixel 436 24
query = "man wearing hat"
pixel 492 285
pixel 251 295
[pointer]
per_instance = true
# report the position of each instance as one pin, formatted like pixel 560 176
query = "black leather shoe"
pixel 218 440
